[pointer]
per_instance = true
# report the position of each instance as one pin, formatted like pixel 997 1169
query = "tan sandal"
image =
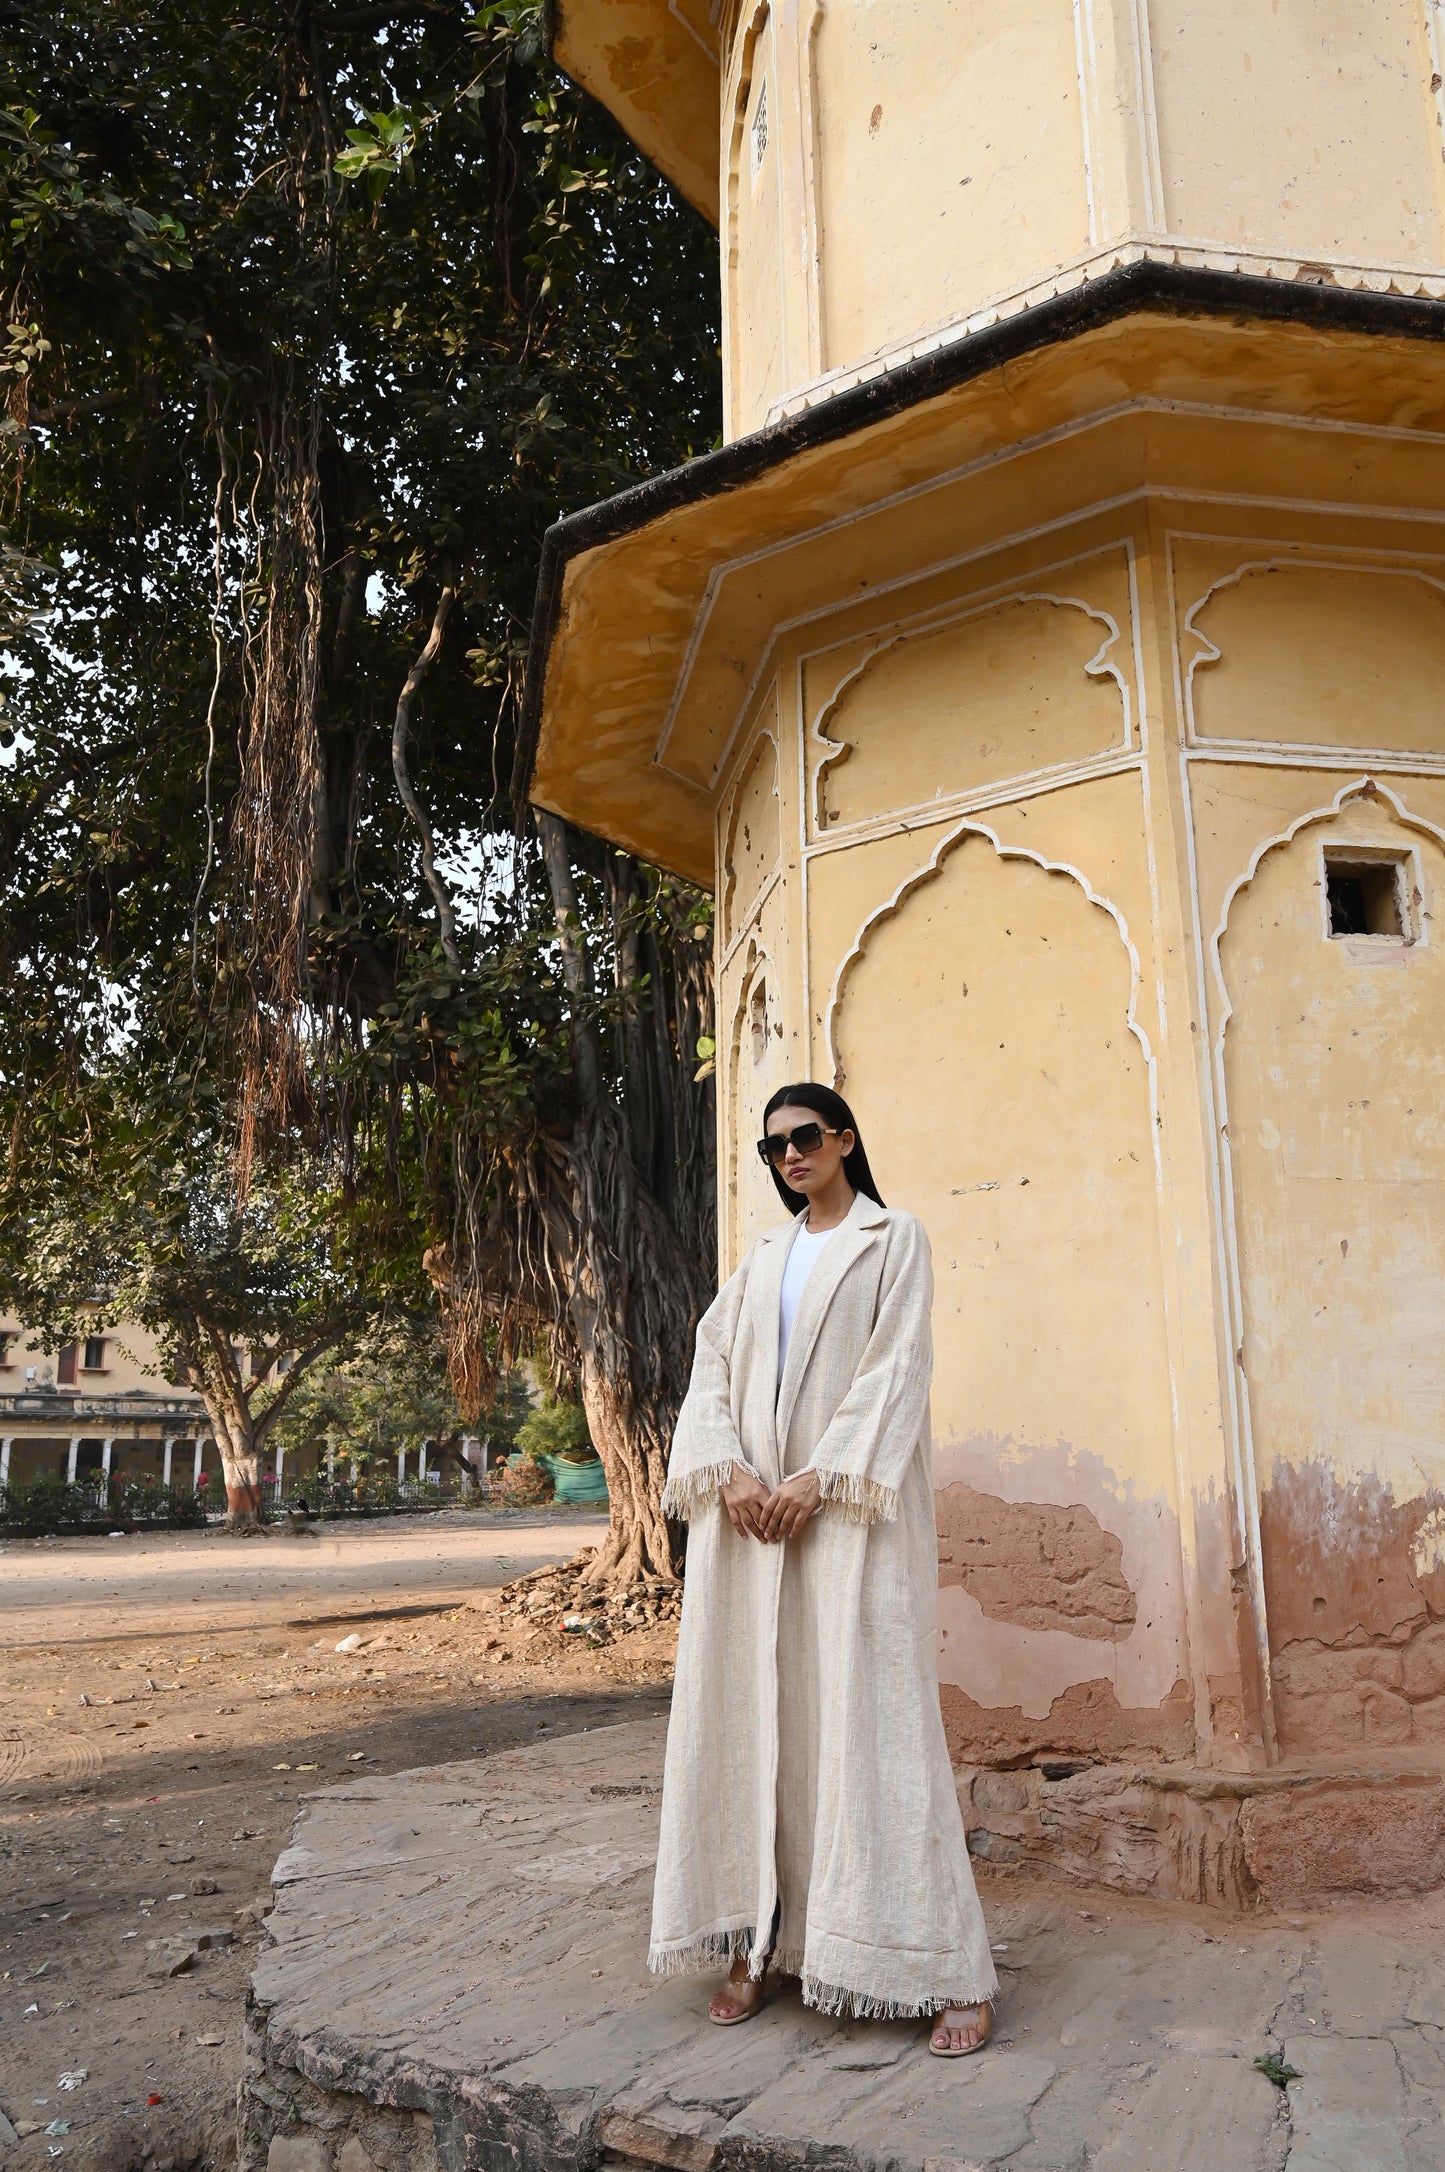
pixel 943 2020
pixel 745 1993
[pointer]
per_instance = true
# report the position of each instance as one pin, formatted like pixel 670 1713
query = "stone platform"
pixel 455 1982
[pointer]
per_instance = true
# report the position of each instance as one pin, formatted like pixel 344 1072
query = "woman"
pixel 809 1819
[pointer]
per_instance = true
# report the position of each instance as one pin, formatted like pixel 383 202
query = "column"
pixel 105 1448
pixel 5 1461
pixel 401 1466
pixel 72 1459
pixel 421 1465
pixel 196 1471
pixel 166 1447
pixel 280 1464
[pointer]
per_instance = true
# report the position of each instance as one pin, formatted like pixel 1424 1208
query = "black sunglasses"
pixel 807 1138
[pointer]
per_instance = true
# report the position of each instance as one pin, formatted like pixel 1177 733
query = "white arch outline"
pixel 970 827
pixel 1210 652
pixel 732 924
pixel 755 955
pixel 1098 666
pixel 1364 787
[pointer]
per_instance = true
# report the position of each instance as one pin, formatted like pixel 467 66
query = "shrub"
pixel 556 1429
pixel 48 1506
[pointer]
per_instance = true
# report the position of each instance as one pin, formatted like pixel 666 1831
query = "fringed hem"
pixel 858 1500
pixel 688 1491
pixel 837 2000
pixel 717 1949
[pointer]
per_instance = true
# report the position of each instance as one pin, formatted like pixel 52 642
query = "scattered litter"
pixel 32 2008
pixel 57 2149
pixel 155 2099
pixel 308 1768
pixel 58 2126
pixel 275 1768
pixel 115 1534
pixel 355 1757
pixel 74 2078
pixel 129 1934
pixel 84 1699
pixel 210 2041
pixel 348 1644
pixel 39 1971
pixel 175 1896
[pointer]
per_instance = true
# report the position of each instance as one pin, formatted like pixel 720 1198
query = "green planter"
pixel 585 1482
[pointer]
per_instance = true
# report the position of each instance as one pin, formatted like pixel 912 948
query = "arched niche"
pixel 1332 1085
pixel 984 1032
pixel 755 1053
pixel 1314 654
pixel 1028 683
pixel 752 843
pixel 753 225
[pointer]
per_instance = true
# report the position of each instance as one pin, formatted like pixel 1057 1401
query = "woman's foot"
pixel 740 1997
pixel 960 2030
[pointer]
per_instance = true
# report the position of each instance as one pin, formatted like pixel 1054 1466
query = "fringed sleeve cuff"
pixel 855 1499
pixel 688 1492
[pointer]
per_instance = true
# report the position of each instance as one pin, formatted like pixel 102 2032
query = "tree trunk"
pixel 634 1289
pixel 240 1462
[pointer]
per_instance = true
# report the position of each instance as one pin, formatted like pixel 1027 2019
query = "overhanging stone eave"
pixel 653 74
pixel 596 762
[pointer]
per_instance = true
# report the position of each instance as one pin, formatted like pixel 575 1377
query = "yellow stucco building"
pixel 1048 674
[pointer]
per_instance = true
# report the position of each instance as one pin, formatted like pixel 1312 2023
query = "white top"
pixel 802 1259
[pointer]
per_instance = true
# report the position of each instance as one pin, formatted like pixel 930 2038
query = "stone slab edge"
pixel 304 2105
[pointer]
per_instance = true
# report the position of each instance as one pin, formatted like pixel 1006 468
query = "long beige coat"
pixel 805 1755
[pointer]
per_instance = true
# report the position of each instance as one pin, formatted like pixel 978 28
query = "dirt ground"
pixel 166 1700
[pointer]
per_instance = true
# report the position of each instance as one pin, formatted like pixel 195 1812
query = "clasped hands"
pixel 781 1514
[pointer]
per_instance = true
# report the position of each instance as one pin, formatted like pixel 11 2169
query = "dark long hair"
pixel 836 1113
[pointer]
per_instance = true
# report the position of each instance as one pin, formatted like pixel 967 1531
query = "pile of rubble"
pixel 560 1599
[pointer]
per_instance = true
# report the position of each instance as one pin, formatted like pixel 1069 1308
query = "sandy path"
pixel 65 1591
pixel 165 1701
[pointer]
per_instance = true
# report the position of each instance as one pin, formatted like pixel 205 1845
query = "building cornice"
pixel 60 1412
pixel 1144 286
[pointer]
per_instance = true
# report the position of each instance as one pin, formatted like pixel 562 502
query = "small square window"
pixel 94 1358
pixel 1367 895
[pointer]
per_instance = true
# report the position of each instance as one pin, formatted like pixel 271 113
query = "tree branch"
pixel 576 962
pixel 399 730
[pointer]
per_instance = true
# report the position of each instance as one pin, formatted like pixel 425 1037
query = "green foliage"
pixel 1277 2069
pixel 556 1428
pixel 391 1395
pixel 359 1493
pixel 49 1505
pixel 198 266
pixel 313 319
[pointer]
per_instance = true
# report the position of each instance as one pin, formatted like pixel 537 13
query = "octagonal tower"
pixel 1046 677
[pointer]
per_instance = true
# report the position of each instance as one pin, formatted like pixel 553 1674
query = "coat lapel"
pixel 854 1236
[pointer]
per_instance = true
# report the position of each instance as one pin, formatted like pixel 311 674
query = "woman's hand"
pixel 745 1498
pixel 789 1506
